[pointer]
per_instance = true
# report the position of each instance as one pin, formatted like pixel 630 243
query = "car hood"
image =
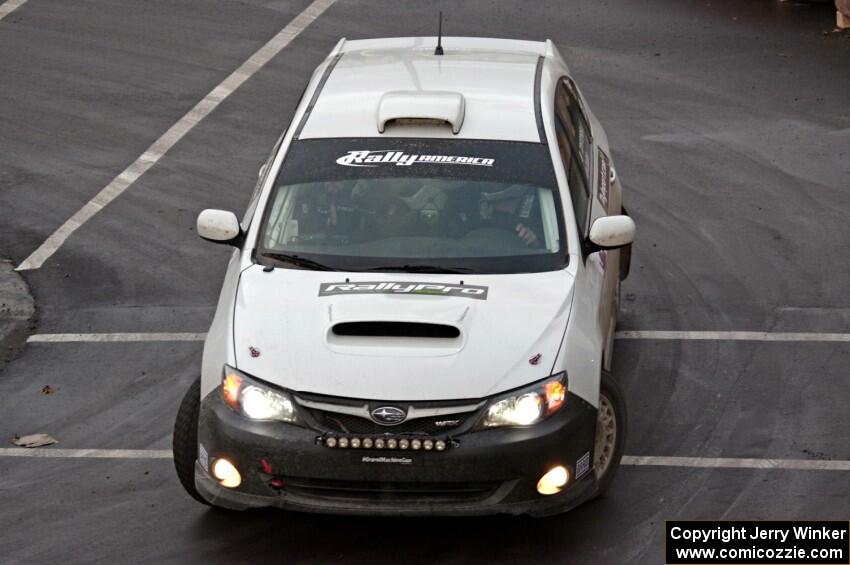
pixel 287 332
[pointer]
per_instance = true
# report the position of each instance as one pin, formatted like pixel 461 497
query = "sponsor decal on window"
pixel 604 181
pixel 433 289
pixel 400 158
pixel 584 144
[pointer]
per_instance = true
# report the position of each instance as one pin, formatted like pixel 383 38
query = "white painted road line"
pixel 735 336
pixel 86 453
pixel 117 337
pixel 630 460
pixel 176 132
pixel 10 6
pixel 646 335
pixel 737 463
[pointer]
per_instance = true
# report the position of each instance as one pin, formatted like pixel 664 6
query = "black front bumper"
pixel 484 472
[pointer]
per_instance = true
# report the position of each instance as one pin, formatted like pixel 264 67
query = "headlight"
pixel 254 399
pixel 529 405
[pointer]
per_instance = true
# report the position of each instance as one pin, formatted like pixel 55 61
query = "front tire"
pixel 611 427
pixel 185 440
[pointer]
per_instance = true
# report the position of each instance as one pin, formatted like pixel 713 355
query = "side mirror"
pixel 610 232
pixel 220 226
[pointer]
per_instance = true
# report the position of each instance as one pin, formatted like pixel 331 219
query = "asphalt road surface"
pixel 730 126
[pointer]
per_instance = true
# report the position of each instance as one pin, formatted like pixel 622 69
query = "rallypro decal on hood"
pixel 384 287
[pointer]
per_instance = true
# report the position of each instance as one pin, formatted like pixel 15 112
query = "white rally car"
pixel 419 311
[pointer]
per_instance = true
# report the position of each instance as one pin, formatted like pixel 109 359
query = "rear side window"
pixel 574 144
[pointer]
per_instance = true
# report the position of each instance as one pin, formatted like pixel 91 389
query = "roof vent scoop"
pixel 410 106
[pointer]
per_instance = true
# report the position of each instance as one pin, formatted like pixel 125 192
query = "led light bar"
pixel 403 443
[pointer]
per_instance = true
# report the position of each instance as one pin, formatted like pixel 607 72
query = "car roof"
pixel 495 77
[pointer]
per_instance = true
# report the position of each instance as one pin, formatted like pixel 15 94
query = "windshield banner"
pixel 375 158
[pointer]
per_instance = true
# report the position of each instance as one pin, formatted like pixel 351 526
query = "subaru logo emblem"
pixel 388 415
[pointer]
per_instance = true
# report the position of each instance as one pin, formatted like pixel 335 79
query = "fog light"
pixel 553 481
pixel 355 442
pixel 367 443
pixel 343 442
pixel 379 443
pixel 392 444
pixel 330 442
pixel 428 445
pixel 403 444
pixel 226 473
pixel 415 444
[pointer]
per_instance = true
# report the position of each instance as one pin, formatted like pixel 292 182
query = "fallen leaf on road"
pixel 34 440
pixel 47 389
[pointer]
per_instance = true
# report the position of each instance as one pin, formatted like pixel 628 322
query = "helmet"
pixel 513 191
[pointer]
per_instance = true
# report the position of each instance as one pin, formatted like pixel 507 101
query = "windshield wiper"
pixel 316 266
pixel 423 269
pixel 298 261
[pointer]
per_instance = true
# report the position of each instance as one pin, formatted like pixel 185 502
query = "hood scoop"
pixel 395 338
pixel 385 329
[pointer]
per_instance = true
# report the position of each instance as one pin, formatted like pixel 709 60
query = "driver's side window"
pixel 261 180
pixel 574 143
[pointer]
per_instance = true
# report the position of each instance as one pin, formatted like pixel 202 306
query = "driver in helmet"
pixel 512 209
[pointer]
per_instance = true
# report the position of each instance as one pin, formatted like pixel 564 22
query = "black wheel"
pixel 611 426
pixel 185 441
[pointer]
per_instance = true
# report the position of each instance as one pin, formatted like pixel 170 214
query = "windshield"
pixel 428 205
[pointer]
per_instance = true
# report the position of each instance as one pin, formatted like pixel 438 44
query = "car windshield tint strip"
pixel 312 160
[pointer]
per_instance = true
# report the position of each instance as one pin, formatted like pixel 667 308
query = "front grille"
pixel 390 491
pixel 350 424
